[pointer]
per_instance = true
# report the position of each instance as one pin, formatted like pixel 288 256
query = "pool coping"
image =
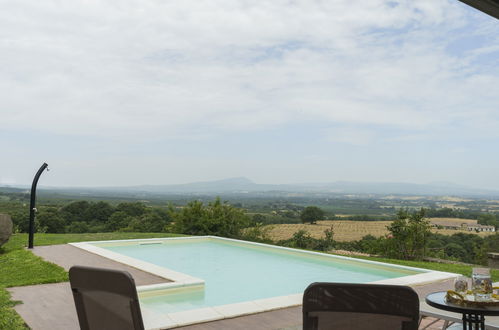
pixel 157 320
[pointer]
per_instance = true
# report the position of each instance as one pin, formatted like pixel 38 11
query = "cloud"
pixel 150 67
pixel 366 71
pixel 351 135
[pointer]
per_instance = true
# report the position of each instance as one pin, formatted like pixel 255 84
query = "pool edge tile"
pixel 156 321
pixel 419 279
pixel 239 309
pixel 296 298
pixel 199 315
pixel 269 304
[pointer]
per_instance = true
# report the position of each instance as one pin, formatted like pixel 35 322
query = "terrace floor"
pixel 51 306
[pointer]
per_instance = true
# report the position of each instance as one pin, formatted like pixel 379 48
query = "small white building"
pixel 481 228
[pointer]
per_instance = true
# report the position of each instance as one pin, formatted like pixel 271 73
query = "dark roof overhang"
pixel 490 7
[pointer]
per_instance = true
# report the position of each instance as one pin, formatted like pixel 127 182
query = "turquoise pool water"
pixel 235 272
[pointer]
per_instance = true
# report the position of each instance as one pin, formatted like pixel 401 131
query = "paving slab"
pixel 46 306
pixel 51 306
pixel 66 256
pixel 286 318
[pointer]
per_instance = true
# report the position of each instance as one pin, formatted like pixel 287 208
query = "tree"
pixel 75 211
pixel 312 214
pixel 78 227
pixel 302 239
pixel 455 251
pixel 50 221
pixel 20 219
pixel 371 244
pixel 150 222
pixel 492 242
pixel 118 220
pixel 132 209
pixel 98 212
pixel 217 218
pixel 259 218
pixel 408 235
pixel 487 219
pixel 327 242
pixel 258 233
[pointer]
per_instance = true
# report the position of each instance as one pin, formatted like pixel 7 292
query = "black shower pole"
pixel 32 207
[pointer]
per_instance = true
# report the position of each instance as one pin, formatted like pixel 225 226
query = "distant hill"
pixel 225 185
pixel 243 185
pixel 8 189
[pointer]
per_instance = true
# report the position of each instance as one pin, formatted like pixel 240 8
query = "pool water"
pixel 235 272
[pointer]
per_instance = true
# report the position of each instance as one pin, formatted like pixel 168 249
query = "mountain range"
pixel 244 185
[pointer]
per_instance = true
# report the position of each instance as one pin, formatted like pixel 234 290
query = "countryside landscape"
pixel 460 228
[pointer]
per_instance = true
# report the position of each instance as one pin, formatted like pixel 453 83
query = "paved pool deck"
pixel 51 306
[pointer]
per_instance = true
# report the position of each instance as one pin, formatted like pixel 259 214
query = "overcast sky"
pixel 280 91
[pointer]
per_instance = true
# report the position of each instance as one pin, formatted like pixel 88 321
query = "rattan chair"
pixel 105 299
pixel 359 306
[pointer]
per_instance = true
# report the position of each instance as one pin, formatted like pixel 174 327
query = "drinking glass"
pixel 481 284
pixel 461 285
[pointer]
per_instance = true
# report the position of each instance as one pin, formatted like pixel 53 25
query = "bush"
pixel 50 221
pixel 303 240
pixel 217 218
pixel 408 235
pixel 78 227
pixel 455 251
pixel 258 233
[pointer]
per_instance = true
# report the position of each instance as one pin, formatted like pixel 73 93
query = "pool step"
pixel 147 291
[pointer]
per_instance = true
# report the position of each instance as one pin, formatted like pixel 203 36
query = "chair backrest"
pixel 359 306
pixel 105 299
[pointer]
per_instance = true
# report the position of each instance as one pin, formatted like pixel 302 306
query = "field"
pixel 455 221
pixel 345 230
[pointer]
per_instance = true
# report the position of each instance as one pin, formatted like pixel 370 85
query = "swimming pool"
pixel 219 277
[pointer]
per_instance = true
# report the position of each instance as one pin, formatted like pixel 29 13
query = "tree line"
pixel 195 218
pixel 410 238
pixel 93 217
pixel 409 234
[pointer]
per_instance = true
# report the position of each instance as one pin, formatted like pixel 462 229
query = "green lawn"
pixel 19 266
pixel 458 269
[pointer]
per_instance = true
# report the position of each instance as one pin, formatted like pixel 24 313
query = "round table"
pixel 473 317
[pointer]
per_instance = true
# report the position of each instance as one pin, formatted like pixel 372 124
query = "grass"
pixel 18 241
pixel 19 267
pixel 9 319
pixel 451 268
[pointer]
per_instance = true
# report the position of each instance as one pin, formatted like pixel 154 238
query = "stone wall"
pixel 5 228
